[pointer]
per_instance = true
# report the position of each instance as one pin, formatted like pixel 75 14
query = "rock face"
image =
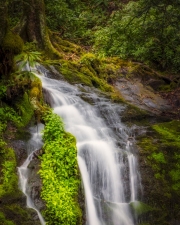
pixel 34 182
pixel 141 95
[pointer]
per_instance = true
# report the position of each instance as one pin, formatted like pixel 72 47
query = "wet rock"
pixel 19 147
pixel 34 182
pixel 13 206
pixel 142 95
pixel 155 84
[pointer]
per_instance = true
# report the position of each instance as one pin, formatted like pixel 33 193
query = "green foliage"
pixel 59 173
pixel 2 142
pixel 159 157
pixel 15 11
pixel 3 220
pixel 143 31
pixel 27 59
pixel 8 114
pixel 8 180
pixel 74 19
pixel 170 132
pixel 3 89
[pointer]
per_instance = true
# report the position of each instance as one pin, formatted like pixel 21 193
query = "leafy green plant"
pixel 59 173
pixel 26 61
pixel 9 178
pixel 3 90
pixel 8 114
pixel 75 19
pixel 29 58
pixel 159 157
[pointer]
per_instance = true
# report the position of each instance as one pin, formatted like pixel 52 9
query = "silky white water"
pixel 107 164
pixel 35 143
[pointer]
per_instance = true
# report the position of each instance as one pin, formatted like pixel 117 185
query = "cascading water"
pixel 35 143
pixel 107 164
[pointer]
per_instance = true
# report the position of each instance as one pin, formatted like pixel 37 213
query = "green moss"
pixel 117 97
pixel 36 89
pixel 9 179
pixel 165 88
pixel 4 221
pixel 92 61
pixel 59 173
pixel 75 73
pixel 65 47
pixel 140 208
pixel 13 43
pixel 8 114
pixel 169 132
pixel 25 109
pixel 133 114
pixel 160 149
pixel 72 74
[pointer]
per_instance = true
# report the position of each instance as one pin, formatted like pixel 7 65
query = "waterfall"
pixel 35 143
pixel 106 159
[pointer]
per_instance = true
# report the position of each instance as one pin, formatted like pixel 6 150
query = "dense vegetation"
pixel 138 30
pixel 59 172
pixel 143 31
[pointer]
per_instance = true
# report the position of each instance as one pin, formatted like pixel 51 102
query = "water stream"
pixel 105 150
pixel 35 143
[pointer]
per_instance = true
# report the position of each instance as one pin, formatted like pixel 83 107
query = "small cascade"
pixel 35 143
pixel 105 156
pixel 132 161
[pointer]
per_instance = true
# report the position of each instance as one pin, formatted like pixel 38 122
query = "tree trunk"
pixel 33 26
pixel 5 57
pixel 3 19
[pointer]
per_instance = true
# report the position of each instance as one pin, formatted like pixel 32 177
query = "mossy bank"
pixel 159 152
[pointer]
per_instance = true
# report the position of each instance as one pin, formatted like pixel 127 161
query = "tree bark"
pixel 33 27
pixel 5 59
pixel 3 20
pixel 33 21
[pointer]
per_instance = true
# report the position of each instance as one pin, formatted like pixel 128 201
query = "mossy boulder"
pixel 11 45
pixel 12 42
pixel 25 109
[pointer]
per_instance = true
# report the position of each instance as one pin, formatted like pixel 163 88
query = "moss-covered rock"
pixel 12 42
pixel 13 209
pixel 160 164
pixel 133 114
pixel 25 109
